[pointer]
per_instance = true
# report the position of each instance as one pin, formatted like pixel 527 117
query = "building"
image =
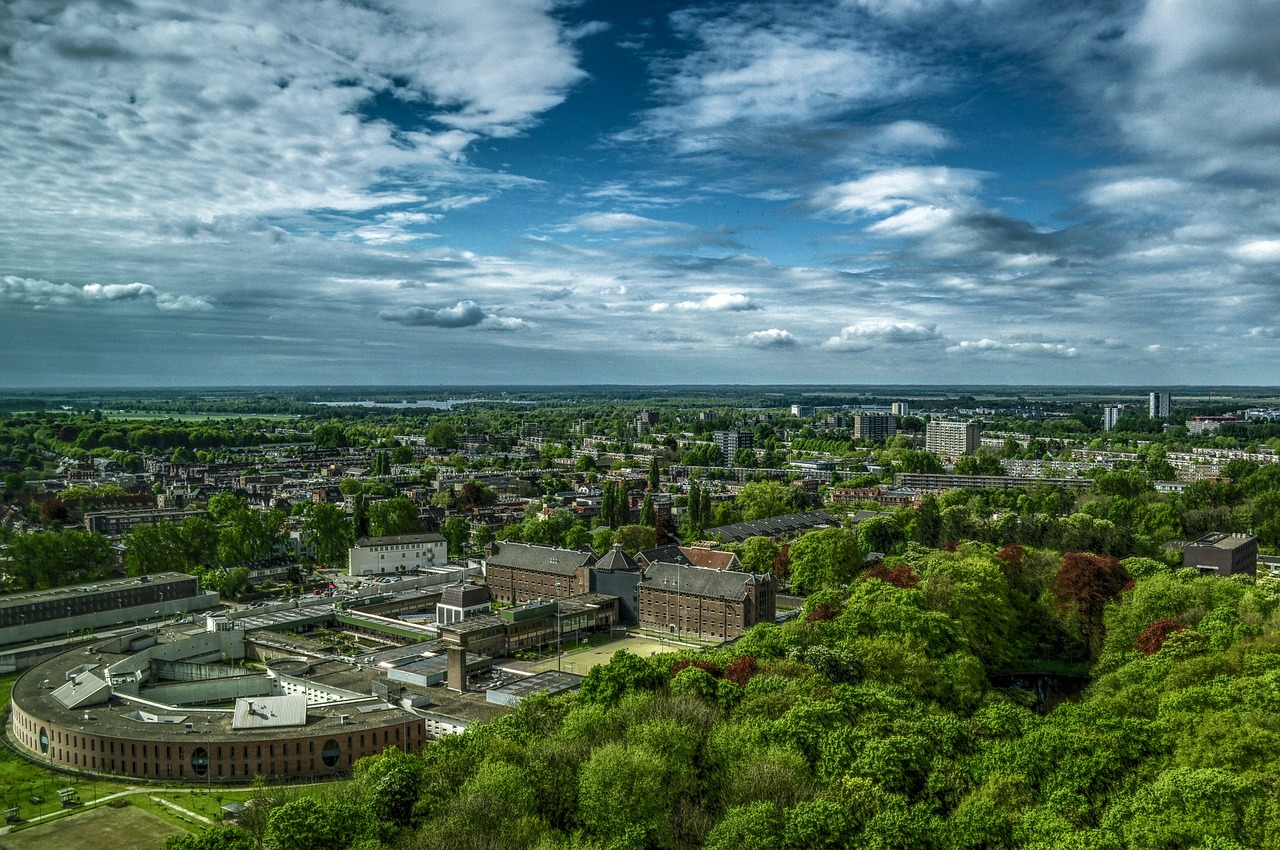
pixel 645 420
pixel 523 572
pixel 40 614
pixel 953 439
pixel 705 604
pixel 116 523
pixel 463 601
pixel 940 482
pixel 789 525
pixel 802 411
pixel 1223 554
pixel 874 426
pixel 1158 405
pixel 1111 414
pixel 730 441
pixel 396 554
pixel 181 711
pixel 901 408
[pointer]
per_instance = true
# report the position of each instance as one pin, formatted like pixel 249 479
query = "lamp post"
pixel 559 632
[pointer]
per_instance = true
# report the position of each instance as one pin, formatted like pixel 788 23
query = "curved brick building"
pixel 182 710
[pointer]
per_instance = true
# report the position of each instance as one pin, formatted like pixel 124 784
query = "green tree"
pixel 456 531
pixel 647 515
pixel 758 554
pixel 763 499
pixel 326 528
pixel 825 559
pixel 397 515
pixel 389 784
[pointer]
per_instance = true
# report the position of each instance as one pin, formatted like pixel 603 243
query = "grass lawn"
pixel 580 661
pixel 123 828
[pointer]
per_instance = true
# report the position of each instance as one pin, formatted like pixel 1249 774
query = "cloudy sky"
pixel 639 191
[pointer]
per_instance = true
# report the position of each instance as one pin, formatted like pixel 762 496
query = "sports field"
pixel 124 828
pixel 581 661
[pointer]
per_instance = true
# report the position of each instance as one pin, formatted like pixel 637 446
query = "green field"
pixel 581 661
pixel 123 828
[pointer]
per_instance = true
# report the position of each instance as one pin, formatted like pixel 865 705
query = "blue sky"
pixel 521 191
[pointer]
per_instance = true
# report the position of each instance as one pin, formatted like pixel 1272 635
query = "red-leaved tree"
pixel 1153 636
pixel 1084 585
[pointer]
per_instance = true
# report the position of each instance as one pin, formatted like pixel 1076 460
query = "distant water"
pixel 421 404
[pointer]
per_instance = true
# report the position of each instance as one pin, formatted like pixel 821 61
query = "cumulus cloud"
pixel 719 301
pixel 464 314
pixel 864 336
pixel 772 338
pixel 42 293
pixel 1032 349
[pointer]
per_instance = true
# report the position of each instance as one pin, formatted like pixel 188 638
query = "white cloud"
pixel 464 314
pixel 892 191
pixel 864 336
pixel 1033 349
pixel 719 301
pixel 608 222
pixel 763 67
pixel 1258 251
pixel 43 293
pixel 772 338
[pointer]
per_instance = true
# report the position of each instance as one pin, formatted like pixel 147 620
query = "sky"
pixel 249 192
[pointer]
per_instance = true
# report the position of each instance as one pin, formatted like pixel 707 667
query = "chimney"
pixel 456 669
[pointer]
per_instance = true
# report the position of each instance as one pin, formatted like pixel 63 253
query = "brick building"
pixel 704 603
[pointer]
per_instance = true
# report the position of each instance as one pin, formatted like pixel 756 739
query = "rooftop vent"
pixel 344 719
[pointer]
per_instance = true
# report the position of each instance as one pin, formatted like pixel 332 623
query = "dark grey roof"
pixel 465 595
pixel 787 523
pixel 617 560
pixel 670 554
pixel 700 581
pixel 543 559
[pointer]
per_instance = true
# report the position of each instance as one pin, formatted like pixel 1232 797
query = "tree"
pixel 442 435
pixel 397 515
pixel 634 538
pixel 390 783
pixel 763 499
pixel 310 824
pixel 617 772
pixel 456 531
pixel 825 559
pixel 758 554
pixel 647 515
pixel 927 528
pixel 655 478
pixel 327 530
pixel 1083 586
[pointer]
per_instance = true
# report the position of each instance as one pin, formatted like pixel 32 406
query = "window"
pixel 330 753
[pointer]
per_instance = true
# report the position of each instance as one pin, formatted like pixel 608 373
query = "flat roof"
pixel 89 588
pixel 120 717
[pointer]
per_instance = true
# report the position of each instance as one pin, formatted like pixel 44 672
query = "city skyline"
pixel 881 192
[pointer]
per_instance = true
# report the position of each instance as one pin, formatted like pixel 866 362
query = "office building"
pixel 1223 554
pixel 1158 405
pixel 396 554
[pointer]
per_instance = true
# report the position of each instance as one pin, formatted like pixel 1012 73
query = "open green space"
pixel 124 827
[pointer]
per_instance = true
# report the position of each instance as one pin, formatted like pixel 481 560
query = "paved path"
pixel 180 810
